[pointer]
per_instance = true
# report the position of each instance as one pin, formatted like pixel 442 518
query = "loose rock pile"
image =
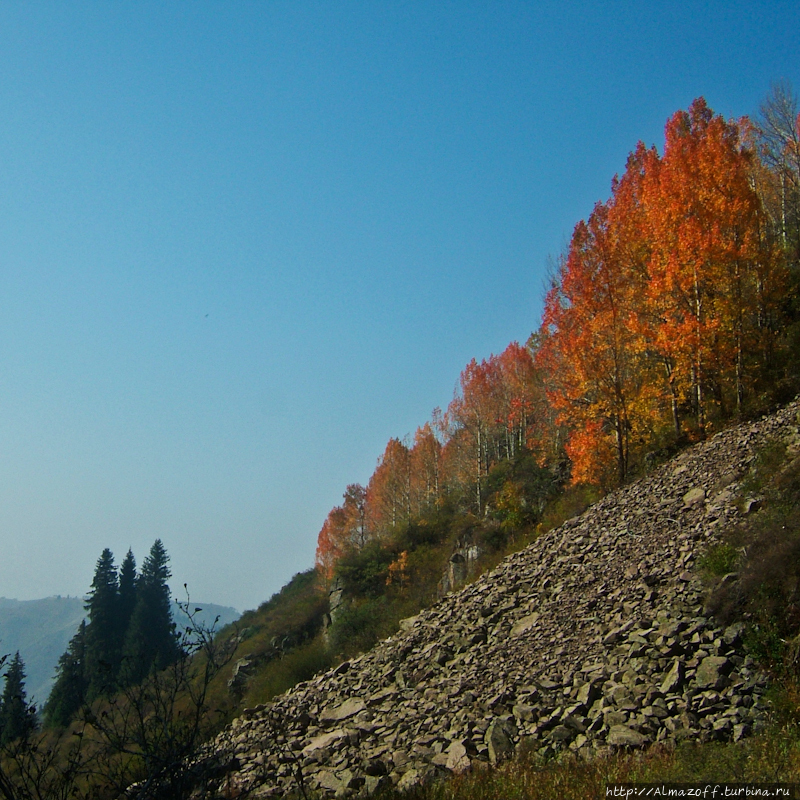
pixel 592 638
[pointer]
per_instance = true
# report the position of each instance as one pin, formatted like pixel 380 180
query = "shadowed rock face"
pixel 592 638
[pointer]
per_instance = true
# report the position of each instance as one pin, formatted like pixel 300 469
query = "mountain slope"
pixel 41 630
pixel 592 638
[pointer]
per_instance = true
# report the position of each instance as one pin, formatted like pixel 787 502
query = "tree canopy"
pixel 129 633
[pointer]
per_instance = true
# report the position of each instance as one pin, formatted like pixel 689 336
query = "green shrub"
pixel 360 625
pixel 720 559
pixel 572 502
pixel 364 572
pixel 769 460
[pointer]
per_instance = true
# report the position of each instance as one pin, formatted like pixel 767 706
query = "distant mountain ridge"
pixel 41 630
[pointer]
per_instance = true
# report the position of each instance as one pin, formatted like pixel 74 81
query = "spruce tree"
pixel 127 592
pixel 103 634
pixel 17 718
pixel 151 641
pixel 69 690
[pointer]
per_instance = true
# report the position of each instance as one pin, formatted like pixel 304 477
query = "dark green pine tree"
pixel 127 591
pixel 103 634
pixel 151 641
pixel 17 718
pixel 69 690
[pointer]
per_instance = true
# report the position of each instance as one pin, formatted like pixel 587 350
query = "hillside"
pixel 595 637
pixel 475 599
pixel 41 630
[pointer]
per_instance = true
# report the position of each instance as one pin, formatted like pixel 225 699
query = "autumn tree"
pixel 703 215
pixel 355 510
pixel 522 397
pixel 389 488
pixel 331 541
pixel 778 125
pixel 477 411
pixel 492 416
pixel 345 526
pixel 667 293
pixel 425 465
pixel 592 351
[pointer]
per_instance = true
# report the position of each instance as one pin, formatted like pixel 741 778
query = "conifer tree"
pixel 103 634
pixel 69 691
pixel 127 592
pixel 150 641
pixel 17 718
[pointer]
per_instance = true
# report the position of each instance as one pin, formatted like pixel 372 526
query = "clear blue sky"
pixel 243 244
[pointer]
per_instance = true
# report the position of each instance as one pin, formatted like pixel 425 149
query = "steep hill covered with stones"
pixel 594 637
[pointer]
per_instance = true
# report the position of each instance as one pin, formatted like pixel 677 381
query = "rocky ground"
pixel 592 638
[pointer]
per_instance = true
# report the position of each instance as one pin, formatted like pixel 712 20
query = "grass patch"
pixel 571 503
pixel 279 675
pixel 773 756
pixel 767 463
pixel 720 559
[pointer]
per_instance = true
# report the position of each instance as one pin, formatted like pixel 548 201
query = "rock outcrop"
pixel 592 638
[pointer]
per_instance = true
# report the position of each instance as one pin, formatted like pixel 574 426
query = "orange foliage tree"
pixel 425 468
pixel 389 489
pixel 703 215
pixel 592 351
pixel 331 542
pixel 663 315
pixel 672 272
pixel 345 526
pixel 492 416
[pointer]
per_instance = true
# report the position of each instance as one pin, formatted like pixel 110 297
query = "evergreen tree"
pixel 69 691
pixel 127 592
pixel 151 641
pixel 17 718
pixel 103 634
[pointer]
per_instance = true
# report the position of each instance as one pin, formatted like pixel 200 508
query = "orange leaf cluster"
pixel 664 318
pixel 664 309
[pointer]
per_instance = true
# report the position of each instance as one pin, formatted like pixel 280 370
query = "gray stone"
pixel 457 758
pixel 711 672
pixel 525 624
pixel 524 713
pixel 498 741
pixel 623 736
pixel 751 505
pixel 327 780
pixel 374 782
pixel 733 634
pixel 349 708
pixel 741 730
pixel 674 678
pixel 694 497
pixel 562 733
pixel 409 780
pixel 323 741
pixel 588 693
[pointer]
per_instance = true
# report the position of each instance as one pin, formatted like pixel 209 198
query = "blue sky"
pixel 244 244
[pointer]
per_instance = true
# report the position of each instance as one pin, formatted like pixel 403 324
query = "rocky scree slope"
pixel 592 638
